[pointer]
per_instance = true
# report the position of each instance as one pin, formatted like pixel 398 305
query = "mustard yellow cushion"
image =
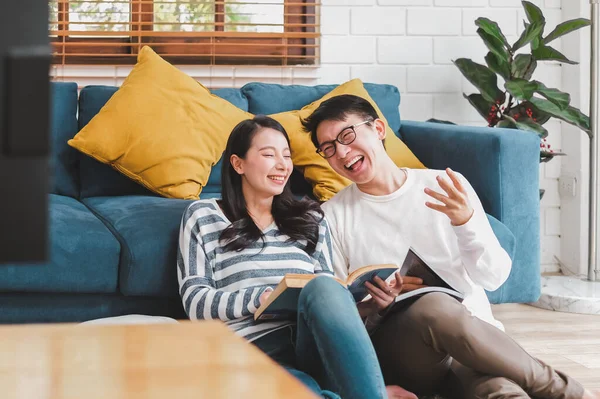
pixel 325 181
pixel 162 129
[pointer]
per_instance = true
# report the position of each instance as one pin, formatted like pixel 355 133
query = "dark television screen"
pixel 24 125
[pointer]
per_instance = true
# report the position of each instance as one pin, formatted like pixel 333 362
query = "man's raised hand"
pixel 455 204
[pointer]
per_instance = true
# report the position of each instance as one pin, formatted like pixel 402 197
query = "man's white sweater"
pixel 369 230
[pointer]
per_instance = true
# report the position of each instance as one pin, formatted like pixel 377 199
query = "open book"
pixel 283 301
pixel 414 266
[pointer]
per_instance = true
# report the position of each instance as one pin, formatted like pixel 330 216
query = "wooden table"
pixel 166 361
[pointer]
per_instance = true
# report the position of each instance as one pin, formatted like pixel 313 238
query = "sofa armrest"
pixel 502 165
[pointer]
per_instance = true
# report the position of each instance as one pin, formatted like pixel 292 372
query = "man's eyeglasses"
pixel 346 137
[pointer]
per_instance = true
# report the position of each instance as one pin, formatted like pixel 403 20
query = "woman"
pixel 233 252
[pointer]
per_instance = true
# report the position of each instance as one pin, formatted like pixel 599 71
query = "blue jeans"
pixel 329 347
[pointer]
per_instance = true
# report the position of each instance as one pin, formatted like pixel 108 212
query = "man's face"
pixel 357 160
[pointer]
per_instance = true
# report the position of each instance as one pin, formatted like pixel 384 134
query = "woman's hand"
pixel 456 204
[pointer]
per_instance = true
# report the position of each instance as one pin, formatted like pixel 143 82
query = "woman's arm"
pixel 323 251
pixel 338 259
pixel 201 299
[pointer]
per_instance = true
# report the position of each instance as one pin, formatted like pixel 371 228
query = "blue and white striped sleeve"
pixel 201 299
pixel 322 255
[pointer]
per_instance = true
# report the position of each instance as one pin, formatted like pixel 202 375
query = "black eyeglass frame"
pixel 339 139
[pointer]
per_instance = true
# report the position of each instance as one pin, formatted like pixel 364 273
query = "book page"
pixel 414 266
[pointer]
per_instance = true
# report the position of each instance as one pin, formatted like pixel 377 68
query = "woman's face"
pixel 267 166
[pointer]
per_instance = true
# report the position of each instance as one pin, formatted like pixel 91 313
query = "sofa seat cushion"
pixel 84 255
pixel 504 235
pixel 508 241
pixel 148 230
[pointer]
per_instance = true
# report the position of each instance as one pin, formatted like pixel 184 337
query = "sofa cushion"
pixel 148 230
pixel 63 126
pixel 84 255
pixel 504 235
pixel 237 98
pixel 161 128
pixel 98 179
pixel 267 98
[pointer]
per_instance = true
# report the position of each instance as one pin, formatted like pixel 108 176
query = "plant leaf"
pixel 538 116
pixel 570 115
pixel 530 33
pixel 494 44
pixel 491 28
pixel 529 125
pixel 521 89
pixel 507 124
pixel 561 99
pixel 534 14
pixel 481 77
pixel 523 66
pixel 480 104
pixel 567 27
pixel 501 67
pixel 547 53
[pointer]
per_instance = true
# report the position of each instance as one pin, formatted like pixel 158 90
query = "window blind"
pixel 212 32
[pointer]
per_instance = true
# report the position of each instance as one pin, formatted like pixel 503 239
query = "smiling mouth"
pixel 350 164
pixel 279 179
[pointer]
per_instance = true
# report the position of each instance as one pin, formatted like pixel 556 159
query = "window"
pixel 216 32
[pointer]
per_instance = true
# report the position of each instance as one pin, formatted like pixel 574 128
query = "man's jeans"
pixel 329 347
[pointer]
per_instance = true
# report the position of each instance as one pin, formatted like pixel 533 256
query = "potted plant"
pixel 522 103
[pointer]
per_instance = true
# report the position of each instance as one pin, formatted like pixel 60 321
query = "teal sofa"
pixel 113 243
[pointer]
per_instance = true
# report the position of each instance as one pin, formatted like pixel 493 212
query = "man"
pixel 436 343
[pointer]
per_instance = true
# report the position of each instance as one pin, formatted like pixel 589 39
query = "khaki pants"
pixel 436 345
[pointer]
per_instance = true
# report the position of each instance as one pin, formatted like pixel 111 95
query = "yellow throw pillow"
pixel 325 181
pixel 162 129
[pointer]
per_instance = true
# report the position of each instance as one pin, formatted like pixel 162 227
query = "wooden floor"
pixel 569 342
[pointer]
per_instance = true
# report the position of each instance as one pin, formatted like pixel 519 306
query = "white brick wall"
pixel 410 44
pixel 404 50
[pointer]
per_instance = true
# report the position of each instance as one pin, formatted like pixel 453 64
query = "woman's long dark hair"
pixel 298 219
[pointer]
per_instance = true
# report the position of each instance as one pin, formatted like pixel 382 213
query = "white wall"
pixel 574 210
pixel 410 44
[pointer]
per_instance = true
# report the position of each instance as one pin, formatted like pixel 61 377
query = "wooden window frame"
pixel 296 45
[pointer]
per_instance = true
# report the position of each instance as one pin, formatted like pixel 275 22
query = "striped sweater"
pixel 214 284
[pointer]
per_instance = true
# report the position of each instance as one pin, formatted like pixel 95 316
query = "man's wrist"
pixel 465 221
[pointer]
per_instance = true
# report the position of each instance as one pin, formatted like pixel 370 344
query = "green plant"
pixel 523 103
